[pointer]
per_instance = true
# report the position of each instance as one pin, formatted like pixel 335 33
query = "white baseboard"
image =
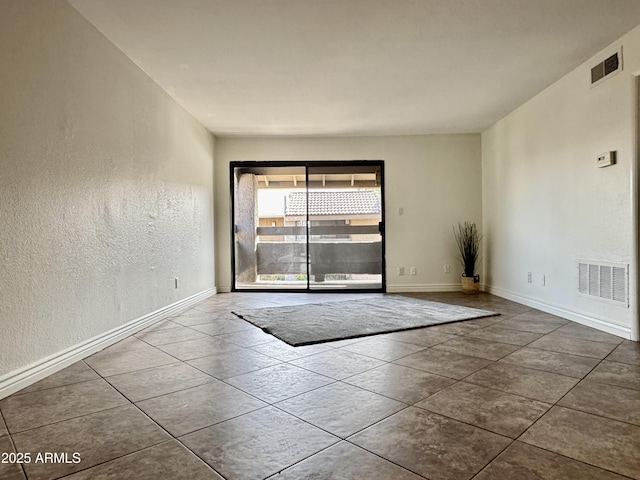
pixel 224 288
pixel 23 377
pixel 589 321
pixel 428 287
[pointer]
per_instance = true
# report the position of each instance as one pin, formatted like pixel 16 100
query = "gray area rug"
pixel 324 322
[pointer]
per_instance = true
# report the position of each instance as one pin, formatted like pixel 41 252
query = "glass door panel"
pixel 345 223
pixel 270 247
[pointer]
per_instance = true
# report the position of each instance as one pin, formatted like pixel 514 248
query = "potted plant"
pixel 468 239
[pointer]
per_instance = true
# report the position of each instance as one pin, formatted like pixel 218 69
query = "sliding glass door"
pixel 308 226
pixel 345 219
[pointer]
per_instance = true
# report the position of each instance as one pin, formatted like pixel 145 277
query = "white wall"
pixel 435 179
pixel 105 188
pixel 545 203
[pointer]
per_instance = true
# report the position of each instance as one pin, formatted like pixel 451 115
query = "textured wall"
pixel 435 179
pixel 105 187
pixel 545 203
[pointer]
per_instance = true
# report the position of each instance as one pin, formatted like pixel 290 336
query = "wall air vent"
pixel 607 281
pixel 605 69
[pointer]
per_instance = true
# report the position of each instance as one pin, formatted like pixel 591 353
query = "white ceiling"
pixel 357 67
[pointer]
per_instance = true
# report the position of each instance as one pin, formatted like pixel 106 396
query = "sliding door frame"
pixel 307 164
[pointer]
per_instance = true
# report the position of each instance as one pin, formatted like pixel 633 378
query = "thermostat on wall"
pixel 606 159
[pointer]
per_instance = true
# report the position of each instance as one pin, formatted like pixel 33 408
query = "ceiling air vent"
pixel 606 68
pixel 608 281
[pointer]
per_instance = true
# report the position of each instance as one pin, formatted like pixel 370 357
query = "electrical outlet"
pixel 529 277
pixel 447 268
pixel 412 271
pixel 543 280
pixel 400 270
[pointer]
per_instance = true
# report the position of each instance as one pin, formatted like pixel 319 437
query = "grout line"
pixel 71 418
pixel 123 456
pixel 12 442
pixel 568 458
pixel 172 438
pixel 21 393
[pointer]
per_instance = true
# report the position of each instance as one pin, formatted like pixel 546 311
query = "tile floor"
pixel 204 395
